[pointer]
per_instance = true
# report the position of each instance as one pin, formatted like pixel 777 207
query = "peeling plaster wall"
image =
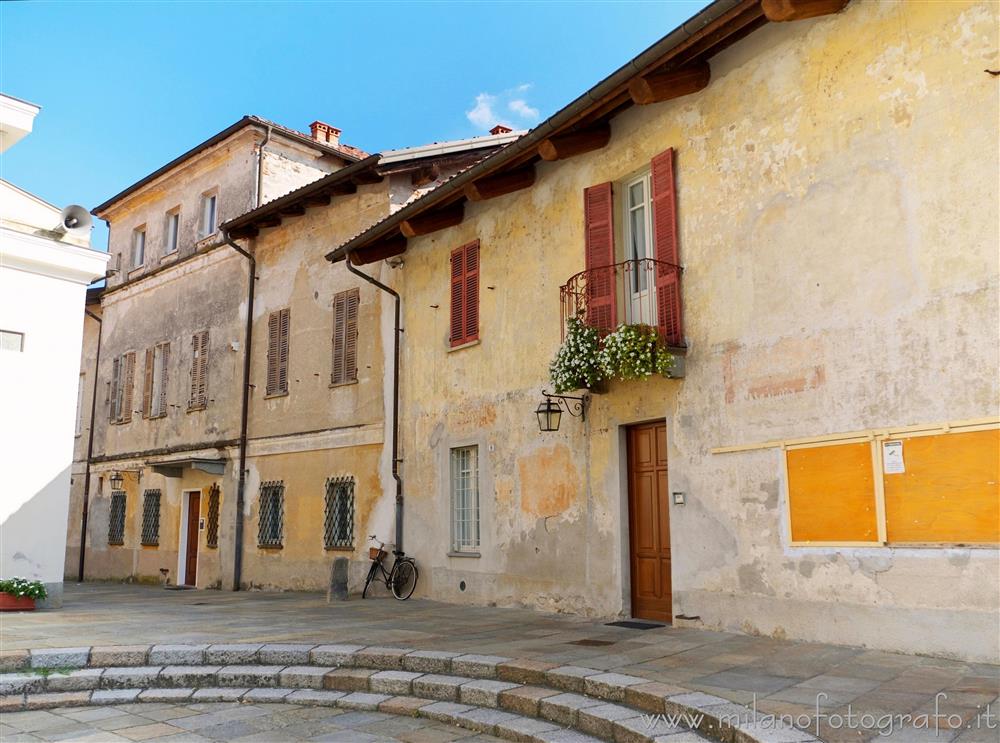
pixel 288 166
pixel 840 247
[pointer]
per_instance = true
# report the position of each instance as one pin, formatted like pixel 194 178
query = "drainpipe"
pixel 260 166
pixel 395 397
pixel 90 447
pixel 244 410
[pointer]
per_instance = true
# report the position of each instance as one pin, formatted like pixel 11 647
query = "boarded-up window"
pixel 122 381
pixel 465 294
pixel 116 518
pixel 151 517
pixel 338 522
pixel 212 528
pixel 278 327
pixel 271 517
pixel 345 337
pixel 199 371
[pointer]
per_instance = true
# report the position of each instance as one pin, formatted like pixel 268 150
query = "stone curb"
pixel 365 677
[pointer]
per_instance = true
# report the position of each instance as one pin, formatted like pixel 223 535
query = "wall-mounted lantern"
pixel 117 481
pixel 550 410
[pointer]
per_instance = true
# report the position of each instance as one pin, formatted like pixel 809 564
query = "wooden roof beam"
pixel 241 233
pixel 563 146
pixel 270 220
pixel 432 221
pixel 797 10
pixel 666 85
pixel 366 178
pixel 387 247
pixel 318 199
pixel 500 184
pixel 424 175
pixel 292 210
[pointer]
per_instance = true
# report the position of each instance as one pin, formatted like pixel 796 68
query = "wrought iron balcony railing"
pixel 639 291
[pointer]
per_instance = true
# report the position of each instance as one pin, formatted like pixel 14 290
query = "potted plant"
pixel 576 365
pixel 634 352
pixel 20 594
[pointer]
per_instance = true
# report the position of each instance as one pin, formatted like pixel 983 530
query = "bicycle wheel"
pixel 403 579
pixel 369 579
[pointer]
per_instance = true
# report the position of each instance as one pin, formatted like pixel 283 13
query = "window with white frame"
pixel 209 213
pixel 173 231
pixel 465 499
pixel 138 247
pixel 637 206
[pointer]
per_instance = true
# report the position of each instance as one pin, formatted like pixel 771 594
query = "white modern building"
pixel 46 263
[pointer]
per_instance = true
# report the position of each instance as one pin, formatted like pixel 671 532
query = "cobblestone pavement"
pixel 783 677
pixel 239 723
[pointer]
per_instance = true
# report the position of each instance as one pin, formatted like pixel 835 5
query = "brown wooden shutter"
pixel 457 296
pixel 284 328
pixel 129 375
pixel 668 277
pixel 278 326
pixel 272 353
pixel 164 366
pixel 598 210
pixel 203 374
pixel 199 370
pixel 147 384
pixel 339 327
pixel 465 294
pixel 351 336
pixel 113 394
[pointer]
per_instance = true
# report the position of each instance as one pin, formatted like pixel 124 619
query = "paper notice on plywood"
pixel 892 458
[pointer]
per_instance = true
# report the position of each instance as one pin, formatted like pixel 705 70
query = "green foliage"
pixel 22 587
pixel 634 352
pixel 576 363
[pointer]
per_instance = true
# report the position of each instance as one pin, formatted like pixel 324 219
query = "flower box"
pixel 10 602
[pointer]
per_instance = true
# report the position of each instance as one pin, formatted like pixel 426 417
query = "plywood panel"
pixel 949 491
pixel 831 493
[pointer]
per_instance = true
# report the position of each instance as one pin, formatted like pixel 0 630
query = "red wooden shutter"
pixel 668 277
pixel 465 294
pixel 457 296
pixel 598 210
pixel 126 413
pixel 147 385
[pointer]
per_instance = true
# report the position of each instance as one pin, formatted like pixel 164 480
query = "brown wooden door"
pixel 191 554
pixel 649 521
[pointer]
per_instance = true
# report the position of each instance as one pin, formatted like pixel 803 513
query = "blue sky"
pixel 126 87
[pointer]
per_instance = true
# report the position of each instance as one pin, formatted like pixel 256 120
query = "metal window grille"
pixel 116 518
pixel 338 524
pixel 151 517
pixel 465 498
pixel 212 530
pixel 272 511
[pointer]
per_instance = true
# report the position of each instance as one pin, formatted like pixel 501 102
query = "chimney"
pixel 324 133
pixel 500 129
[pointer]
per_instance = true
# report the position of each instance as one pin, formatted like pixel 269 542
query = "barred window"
pixel 465 498
pixel 338 524
pixel 212 531
pixel 116 518
pixel 151 517
pixel 272 512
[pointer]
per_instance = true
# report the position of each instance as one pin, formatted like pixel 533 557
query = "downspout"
pixel 260 167
pixel 395 397
pixel 90 447
pixel 244 411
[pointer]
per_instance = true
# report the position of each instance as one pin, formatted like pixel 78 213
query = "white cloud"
pixel 503 108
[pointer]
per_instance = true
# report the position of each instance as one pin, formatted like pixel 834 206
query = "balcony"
pixel 639 291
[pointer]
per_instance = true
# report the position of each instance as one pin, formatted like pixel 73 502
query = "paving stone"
pixel 392 682
pixel 774 733
pixel 524 671
pixel 219 694
pixel 437 686
pixel 270 696
pixel 130 677
pixel 680 703
pixel 362 700
pixel 249 676
pixel 524 729
pixel 285 654
pixel 303 677
pixel 686 736
pixel 563 708
pixel 334 655
pixel 190 676
pixel 477 666
pixel 524 699
pixel 483 720
pixel 402 705
pixel 19 683
pixel 103 656
pixel 11 703
pixel 568 678
pixel 57 699
pixel 564 736
pixel 82 679
pixel 484 692
pixel 237 654
pixel 443 711
pixel 641 728
pixel 114 696
pixel 166 695
pixel 382 658
pixel 599 720
pixel 60 657
pixel 314 697
pixel 649 696
pixel 177 655
pixel 428 661
pixel 348 679
pixel 610 686
pixel 14 660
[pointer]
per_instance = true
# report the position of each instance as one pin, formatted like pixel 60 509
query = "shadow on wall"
pixel 33 538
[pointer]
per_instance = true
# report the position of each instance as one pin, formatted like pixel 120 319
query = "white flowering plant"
pixel 22 587
pixel 576 363
pixel 634 352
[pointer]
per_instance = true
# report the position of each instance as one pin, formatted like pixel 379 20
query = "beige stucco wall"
pixel 838 239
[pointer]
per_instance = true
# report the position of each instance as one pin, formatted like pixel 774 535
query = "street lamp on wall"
pixel 550 410
pixel 117 481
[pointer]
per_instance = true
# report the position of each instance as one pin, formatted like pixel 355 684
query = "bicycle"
pixel 401 579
